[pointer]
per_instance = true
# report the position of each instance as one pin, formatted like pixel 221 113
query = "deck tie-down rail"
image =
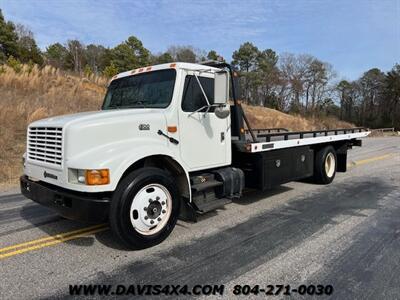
pixel 314 133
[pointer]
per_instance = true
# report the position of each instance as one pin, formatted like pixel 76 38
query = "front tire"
pixel 325 165
pixel 144 208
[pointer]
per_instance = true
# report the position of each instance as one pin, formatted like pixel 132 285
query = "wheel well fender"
pixel 168 164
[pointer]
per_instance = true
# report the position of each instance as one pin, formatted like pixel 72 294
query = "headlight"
pixel 89 177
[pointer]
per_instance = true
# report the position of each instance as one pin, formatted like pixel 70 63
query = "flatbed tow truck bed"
pixel 276 158
pixel 267 140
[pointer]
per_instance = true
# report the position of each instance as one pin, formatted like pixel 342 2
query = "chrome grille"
pixel 45 144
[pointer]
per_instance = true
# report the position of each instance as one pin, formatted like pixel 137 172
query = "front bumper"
pixel 87 207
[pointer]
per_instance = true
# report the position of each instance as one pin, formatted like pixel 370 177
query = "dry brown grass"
pixel 262 117
pixel 34 94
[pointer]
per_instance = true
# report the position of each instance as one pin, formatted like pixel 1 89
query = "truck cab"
pixel 166 143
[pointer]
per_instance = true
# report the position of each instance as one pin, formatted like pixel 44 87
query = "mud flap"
pixel 187 211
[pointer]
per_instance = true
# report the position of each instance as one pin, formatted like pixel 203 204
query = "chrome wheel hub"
pixel 330 165
pixel 151 209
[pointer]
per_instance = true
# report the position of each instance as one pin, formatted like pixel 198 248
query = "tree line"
pixel 291 83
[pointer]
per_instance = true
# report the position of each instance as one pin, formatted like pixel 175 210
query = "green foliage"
pixel 28 50
pixel 130 55
pixel 246 57
pixel 259 74
pixel 212 55
pixel 97 57
pixel 30 66
pixel 373 100
pixel 14 63
pixel 87 71
pixel 162 58
pixel 56 55
pixel 110 71
pixel 8 39
pixel 75 58
pixel 186 55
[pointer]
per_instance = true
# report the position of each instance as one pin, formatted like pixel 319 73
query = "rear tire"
pixel 325 165
pixel 144 208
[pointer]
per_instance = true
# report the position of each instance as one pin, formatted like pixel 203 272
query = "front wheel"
pixel 144 208
pixel 325 165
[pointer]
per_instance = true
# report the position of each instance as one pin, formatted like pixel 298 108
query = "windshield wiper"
pixel 138 103
pixel 112 107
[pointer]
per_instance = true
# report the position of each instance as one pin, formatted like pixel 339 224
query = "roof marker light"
pixel 148 69
pixel 172 65
pixel 141 69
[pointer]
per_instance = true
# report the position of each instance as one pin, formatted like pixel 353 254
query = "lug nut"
pixel 151 222
pixel 150 200
pixel 163 211
pixel 157 198
pixel 159 219
pixel 163 203
pixel 145 208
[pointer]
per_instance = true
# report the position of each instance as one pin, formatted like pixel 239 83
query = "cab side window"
pixel 193 97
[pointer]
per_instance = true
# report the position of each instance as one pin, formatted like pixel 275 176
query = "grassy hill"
pixel 32 94
pixel 263 117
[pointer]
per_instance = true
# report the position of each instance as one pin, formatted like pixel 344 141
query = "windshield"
pixel 147 90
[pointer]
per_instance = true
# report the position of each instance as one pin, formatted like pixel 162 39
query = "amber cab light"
pixel 172 129
pixel 97 177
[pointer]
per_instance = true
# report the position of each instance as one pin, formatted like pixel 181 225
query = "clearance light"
pixel 172 65
pixel 172 129
pixel 97 177
pixel 148 69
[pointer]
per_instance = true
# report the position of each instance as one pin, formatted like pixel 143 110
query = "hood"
pixel 86 131
pixel 63 120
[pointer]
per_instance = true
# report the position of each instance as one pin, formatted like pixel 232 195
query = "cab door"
pixel 203 136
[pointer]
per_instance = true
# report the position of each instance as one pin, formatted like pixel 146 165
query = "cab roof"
pixel 173 65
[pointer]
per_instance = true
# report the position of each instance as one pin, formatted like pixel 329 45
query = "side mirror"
pixel 221 87
pixel 222 111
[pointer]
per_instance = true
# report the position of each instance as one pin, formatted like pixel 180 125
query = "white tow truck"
pixel 167 143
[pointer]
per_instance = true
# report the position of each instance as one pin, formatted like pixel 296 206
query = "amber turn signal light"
pixel 97 177
pixel 172 129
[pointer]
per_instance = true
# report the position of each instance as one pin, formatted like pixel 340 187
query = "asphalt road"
pixel 346 234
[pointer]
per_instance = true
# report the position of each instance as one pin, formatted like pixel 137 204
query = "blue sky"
pixel 353 35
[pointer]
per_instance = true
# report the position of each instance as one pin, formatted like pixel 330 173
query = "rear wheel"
pixel 144 208
pixel 325 165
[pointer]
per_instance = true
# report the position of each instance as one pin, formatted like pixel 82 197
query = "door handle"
pixel 222 136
